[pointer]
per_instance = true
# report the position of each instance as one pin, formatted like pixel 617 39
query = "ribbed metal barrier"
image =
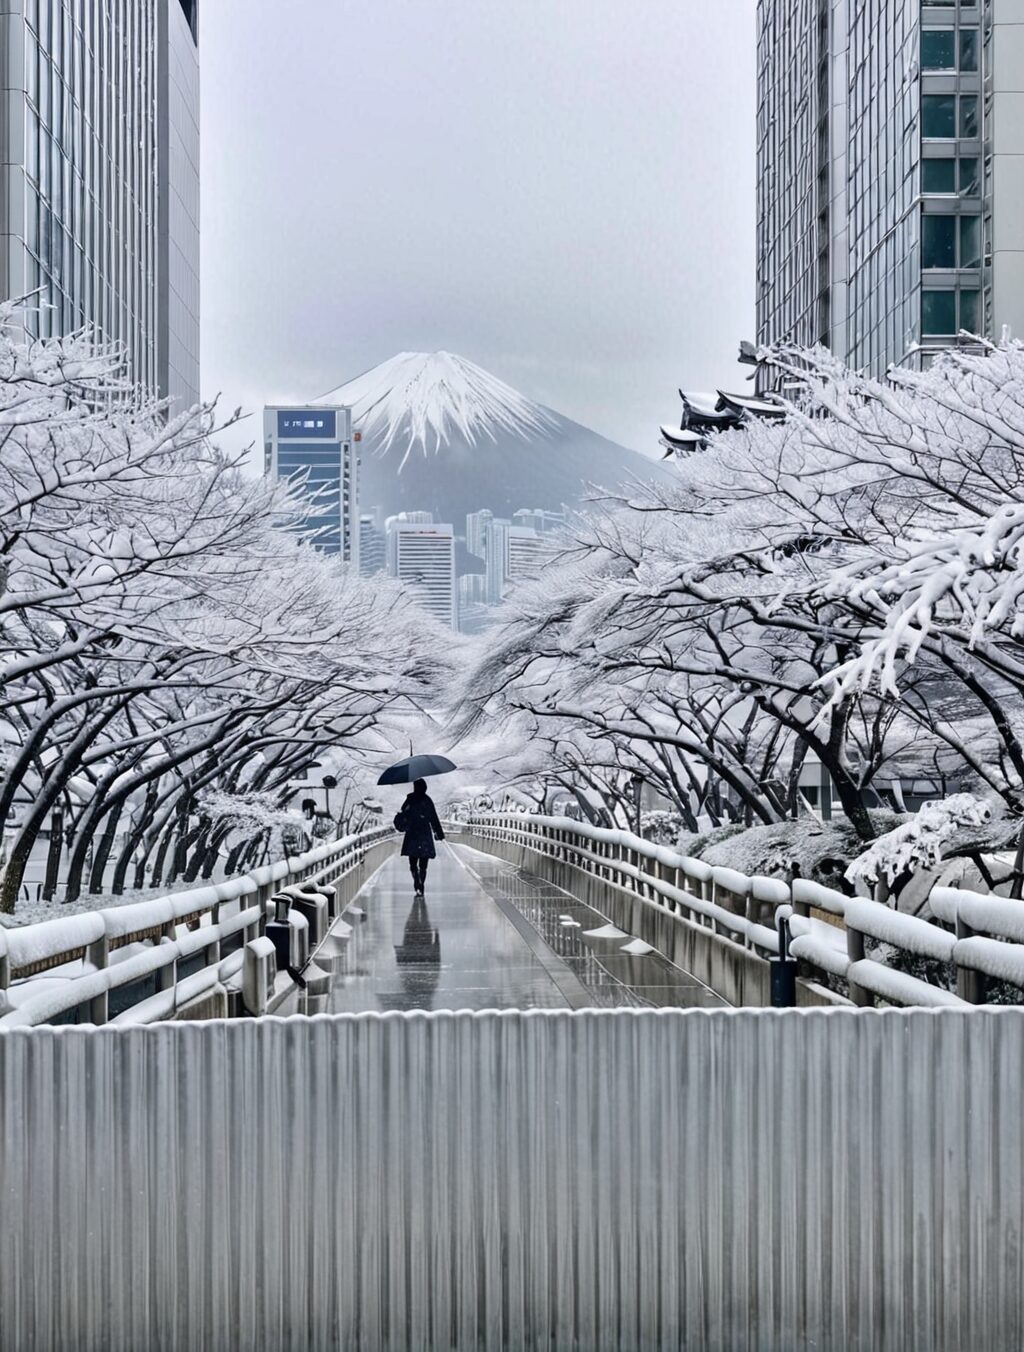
pixel 598 1180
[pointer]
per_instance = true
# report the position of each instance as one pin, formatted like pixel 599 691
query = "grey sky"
pixel 559 190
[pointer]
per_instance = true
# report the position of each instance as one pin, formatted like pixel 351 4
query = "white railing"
pixel 60 968
pixel 979 936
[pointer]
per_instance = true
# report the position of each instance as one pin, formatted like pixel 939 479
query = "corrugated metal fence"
pixel 600 1180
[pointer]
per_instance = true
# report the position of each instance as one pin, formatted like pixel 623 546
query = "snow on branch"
pixel 921 842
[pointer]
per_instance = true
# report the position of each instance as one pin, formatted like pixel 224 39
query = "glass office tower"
pixel 890 174
pixel 100 208
pixel 313 447
pixel 421 554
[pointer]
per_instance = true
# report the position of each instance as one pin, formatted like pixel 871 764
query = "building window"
pixel 938 116
pixel 938 175
pixel 938 314
pixel 940 234
pixel 938 49
pixel 946 313
pixel 938 241
pixel 970 241
pixel 968 49
pixel 969 115
pixel 970 176
pixel 970 311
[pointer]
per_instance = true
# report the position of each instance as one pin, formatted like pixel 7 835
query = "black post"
pixel 783 968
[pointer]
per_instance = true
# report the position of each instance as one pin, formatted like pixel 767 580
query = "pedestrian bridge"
pixel 494 1130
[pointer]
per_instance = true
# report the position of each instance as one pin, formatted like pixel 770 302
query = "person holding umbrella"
pixel 418 819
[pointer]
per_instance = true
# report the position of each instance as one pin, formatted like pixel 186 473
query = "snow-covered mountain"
pixel 440 434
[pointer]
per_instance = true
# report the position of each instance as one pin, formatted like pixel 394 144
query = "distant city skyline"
pixel 573 214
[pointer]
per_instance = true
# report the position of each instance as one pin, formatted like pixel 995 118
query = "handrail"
pixel 89 939
pixel 980 936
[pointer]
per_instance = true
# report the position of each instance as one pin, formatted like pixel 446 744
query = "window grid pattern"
pixel 952 167
pixel 90 163
pixel 858 102
pixel 884 280
pixel 792 151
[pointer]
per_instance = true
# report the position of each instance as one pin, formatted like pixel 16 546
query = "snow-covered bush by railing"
pixel 921 842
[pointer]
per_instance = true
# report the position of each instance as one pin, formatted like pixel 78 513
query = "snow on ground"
pixel 32 912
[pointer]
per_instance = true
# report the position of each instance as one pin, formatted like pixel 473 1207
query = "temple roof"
pixel 704 414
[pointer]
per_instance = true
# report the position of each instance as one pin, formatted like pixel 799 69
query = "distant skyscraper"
pixel 496 559
pixel 372 557
pixel 527 551
pixel 890 174
pixel 472 590
pixel 421 554
pixel 313 446
pixel 539 520
pixel 476 532
pixel 100 208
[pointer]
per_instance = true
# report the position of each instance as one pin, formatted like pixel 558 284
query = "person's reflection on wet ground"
pixel 419 957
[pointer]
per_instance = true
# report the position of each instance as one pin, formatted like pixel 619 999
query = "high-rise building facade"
pixel 536 518
pixel 312 448
pixel 421 554
pixel 527 551
pixel 476 532
pixel 372 555
pixel 890 174
pixel 496 559
pixel 99 213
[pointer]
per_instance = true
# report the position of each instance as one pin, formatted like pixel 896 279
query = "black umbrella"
pixel 416 767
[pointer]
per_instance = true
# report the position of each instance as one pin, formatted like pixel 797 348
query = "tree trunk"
pixel 134 841
pixel 53 855
pixel 102 854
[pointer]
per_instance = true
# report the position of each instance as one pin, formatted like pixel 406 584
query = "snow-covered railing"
pixel 831 933
pixel 61 968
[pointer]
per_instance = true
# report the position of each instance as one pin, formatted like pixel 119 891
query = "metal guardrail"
pixel 74 960
pixel 981 937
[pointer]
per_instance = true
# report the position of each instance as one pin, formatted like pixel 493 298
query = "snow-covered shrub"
pixel 806 848
pixel 922 841
pixel 660 826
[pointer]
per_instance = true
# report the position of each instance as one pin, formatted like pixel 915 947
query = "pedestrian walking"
pixel 419 821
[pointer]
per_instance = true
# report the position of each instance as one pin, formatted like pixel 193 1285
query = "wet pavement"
pixel 489 936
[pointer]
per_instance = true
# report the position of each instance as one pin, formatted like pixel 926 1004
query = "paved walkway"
pixel 489 936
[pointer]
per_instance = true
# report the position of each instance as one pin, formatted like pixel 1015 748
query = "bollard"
pixel 783 968
pixel 258 972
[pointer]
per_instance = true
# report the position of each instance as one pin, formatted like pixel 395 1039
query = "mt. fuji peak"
pixel 440 434
pixel 421 401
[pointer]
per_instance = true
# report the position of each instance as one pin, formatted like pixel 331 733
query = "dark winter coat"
pixel 420 813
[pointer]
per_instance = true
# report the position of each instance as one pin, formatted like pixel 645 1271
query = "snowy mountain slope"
pixel 440 434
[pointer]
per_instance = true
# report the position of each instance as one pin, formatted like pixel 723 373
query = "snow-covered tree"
pixel 160 639
pixel 842 585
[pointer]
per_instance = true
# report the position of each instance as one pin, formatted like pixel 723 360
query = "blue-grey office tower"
pixel 314 448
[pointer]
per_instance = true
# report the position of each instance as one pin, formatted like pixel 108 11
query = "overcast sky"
pixel 559 190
